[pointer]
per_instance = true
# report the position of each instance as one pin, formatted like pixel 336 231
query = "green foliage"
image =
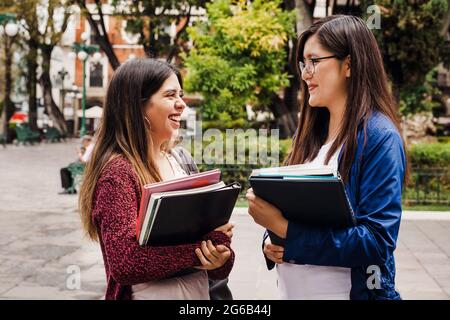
pixel 410 36
pixel 418 98
pixel 237 56
pixel 411 44
pixel 431 155
pixel 241 172
pixel 429 181
pixel 223 125
pixel 150 19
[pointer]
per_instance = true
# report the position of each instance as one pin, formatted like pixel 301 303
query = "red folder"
pixel 192 181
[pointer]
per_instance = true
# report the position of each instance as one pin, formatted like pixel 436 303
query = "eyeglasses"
pixel 310 65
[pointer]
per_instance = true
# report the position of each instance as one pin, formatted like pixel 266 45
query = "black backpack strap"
pixel 184 159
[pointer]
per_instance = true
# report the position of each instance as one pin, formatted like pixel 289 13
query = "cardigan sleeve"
pixel 115 210
pixel 223 271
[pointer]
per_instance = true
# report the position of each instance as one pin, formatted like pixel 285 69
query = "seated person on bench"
pixel 84 153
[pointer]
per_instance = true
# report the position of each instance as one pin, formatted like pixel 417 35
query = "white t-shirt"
pixel 309 282
pixel 87 154
pixel 193 286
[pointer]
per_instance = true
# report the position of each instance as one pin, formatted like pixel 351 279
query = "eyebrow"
pixel 173 91
pixel 310 56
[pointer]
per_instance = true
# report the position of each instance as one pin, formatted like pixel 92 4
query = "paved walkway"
pixel 42 248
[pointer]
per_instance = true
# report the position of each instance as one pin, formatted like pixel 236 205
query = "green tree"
pixel 46 22
pixel 151 20
pixel 27 13
pixel 411 42
pixel 237 57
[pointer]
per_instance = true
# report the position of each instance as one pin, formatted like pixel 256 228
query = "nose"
pixel 180 104
pixel 306 75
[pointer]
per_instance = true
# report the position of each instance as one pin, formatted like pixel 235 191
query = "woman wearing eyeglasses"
pixel 348 121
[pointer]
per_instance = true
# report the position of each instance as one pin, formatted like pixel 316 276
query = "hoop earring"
pixel 148 121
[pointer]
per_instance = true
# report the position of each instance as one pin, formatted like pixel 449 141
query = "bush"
pixel 431 155
pixel 241 172
pixel 225 124
pixel 429 180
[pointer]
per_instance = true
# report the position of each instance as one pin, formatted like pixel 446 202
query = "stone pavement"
pixel 42 248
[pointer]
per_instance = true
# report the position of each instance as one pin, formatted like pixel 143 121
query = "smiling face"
pixel 328 82
pixel 164 110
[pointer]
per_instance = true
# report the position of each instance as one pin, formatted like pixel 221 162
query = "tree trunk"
pixel 446 24
pixel 150 47
pixel 50 106
pixel 174 51
pixel 304 14
pixel 286 110
pixel 31 84
pixel 283 117
pixel 107 48
pixel 100 33
pixel 8 106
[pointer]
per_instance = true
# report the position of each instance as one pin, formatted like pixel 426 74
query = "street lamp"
pixel 62 74
pixel 83 50
pixel 9 28
pixel 8 25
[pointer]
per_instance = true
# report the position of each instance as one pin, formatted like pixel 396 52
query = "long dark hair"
pixel 123 129
pixel 367 90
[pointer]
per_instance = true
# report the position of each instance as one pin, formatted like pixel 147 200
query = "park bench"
pixel 76 170
pixel 26 135
pixel 52 134
pixel 3 140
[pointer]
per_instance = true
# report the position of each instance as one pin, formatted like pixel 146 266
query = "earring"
pixel 148 121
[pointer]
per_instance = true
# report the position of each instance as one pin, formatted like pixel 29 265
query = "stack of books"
pixel 306 194
pixel 184 210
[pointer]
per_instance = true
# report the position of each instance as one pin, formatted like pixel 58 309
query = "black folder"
pixel 187 218
pixel 315 201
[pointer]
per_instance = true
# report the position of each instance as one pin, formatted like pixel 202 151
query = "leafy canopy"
pixel 237 56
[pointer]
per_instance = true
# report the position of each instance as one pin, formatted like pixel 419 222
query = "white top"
pixel 193 286
pixel 87 154
pixel 309 282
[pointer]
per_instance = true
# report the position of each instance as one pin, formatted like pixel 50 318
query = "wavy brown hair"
pixel 123 130
pixel 367 91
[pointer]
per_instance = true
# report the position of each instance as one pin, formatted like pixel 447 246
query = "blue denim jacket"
pixel 374 189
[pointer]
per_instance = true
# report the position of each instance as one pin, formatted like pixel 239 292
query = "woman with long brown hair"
pixel 348 121
pixel 134 147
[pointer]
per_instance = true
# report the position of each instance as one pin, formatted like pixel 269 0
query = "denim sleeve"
pixel 378 214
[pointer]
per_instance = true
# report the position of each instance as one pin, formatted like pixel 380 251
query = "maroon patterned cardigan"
pixel 115 209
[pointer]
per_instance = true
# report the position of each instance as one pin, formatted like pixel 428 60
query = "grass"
pixel 434 207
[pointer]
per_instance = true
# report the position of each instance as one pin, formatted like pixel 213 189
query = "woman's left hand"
pixel 212 257
pixel 266 215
